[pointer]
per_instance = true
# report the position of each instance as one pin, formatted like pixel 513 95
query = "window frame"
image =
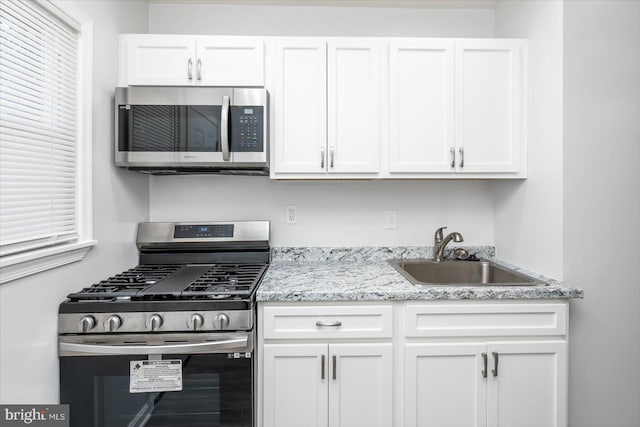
pixel 16 266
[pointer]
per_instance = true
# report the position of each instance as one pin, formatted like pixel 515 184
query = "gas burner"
pixel 217 296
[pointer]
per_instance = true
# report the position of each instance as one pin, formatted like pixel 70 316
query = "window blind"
pixel 38 128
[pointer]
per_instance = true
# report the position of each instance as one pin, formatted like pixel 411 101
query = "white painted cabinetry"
pixel 298 93
pixel 325 97
pixel 421 105
pixel 490 106
pixel 413 364
pixel 457 107
pixel 326 365
pixel 181 60
pixel 506 367
pixel 521 384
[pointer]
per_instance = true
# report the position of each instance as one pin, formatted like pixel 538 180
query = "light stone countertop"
pixel 363 274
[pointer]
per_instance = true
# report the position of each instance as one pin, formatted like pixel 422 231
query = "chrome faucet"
pixel 441 242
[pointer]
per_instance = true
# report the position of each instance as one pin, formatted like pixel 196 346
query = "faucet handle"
pixel 439 236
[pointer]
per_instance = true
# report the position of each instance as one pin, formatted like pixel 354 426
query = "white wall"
pixel 202 18
pixel 28 307
pixel 601 176
pixel 335 213
pixel 528 214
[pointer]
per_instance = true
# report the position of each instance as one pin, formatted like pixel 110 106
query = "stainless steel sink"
pixel 461 273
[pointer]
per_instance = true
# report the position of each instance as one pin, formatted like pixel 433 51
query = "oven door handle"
pixel 229 345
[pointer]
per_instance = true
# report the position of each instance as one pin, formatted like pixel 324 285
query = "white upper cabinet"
pixel 490 105
pixel 353 106
pixel 457 107
pixel 421 100
pixel 157 60
pixel 179 60
pixel 299 103
pixel 325 97
pixel 230 61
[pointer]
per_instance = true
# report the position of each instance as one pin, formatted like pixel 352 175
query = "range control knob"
pixel 220 321
pixel 195 321
pixel 154 322
pixel 112 323
pixel 87 323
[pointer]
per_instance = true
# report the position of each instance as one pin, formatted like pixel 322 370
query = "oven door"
pixel 211 386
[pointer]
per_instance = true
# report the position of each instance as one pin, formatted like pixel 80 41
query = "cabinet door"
pixel 489 105
pixel 421 94
pixel 230 61
pixel 294 390
pixel 529 388
pixel 444 385
pixel 153 59
pixel 353 120
pixel 360 385
pixel 299 99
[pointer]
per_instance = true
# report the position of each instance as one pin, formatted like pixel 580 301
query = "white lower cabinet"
pixel 413 364
pixel 506 384
pixel 325 365
pixel 337 385
pixel 443 385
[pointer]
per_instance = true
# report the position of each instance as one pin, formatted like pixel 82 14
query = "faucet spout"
pixel 441 242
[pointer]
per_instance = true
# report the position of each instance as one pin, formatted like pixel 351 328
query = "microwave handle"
pixel 224 129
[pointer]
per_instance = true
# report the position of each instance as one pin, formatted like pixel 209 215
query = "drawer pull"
pixel 335 324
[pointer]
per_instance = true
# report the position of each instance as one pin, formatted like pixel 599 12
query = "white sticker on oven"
pixel 155 376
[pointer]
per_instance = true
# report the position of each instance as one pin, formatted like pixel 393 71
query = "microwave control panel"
pixel 247 128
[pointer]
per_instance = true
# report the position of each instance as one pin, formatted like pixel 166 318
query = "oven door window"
pixel 170 128
pixel 216 391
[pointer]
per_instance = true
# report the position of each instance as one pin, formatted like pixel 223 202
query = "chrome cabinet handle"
pixel 453 157
pixel 322 156
pixel 461 151
pixel 224 129
pixel 322 361
pixel 199 69
pixel 331 155
pixel 190 69
pixel 494 372
pixel 335 324
pixel 484 365
pixel 335 375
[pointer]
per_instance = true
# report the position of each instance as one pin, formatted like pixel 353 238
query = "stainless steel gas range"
pixel 169 342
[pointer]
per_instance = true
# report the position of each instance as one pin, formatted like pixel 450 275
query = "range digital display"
pixel 203 230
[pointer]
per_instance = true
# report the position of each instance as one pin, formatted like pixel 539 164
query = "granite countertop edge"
pixel 363 274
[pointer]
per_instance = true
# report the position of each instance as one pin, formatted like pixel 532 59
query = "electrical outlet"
pixel 291 215
pixel 391 220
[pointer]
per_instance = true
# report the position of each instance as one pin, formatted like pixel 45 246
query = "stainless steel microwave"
pixel 169 130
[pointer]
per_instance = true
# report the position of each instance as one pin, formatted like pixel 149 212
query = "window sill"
pixel 17 266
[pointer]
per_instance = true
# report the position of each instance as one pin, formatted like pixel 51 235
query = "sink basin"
pixel 461 273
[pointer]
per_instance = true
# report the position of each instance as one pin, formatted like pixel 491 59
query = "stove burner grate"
pixel 126 284
pixel 237 280
pixel 221 281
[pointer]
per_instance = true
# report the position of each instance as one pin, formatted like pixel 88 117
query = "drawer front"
pixel 322 322
pixel 485 320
